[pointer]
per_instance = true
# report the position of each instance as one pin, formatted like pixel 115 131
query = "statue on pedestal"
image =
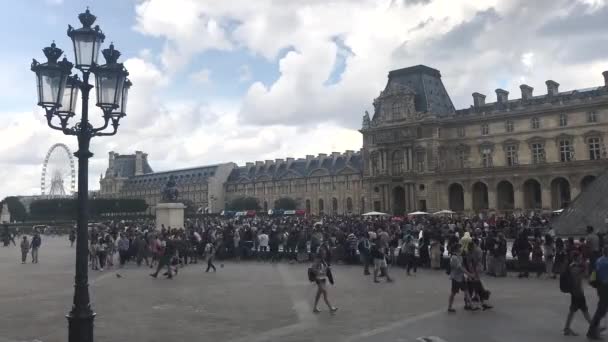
pixel 170 192
pixel 5 215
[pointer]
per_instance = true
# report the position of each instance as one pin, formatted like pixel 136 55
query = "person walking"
pixel 320 269
pixel 364 247
pixel 458 276
pixel 25 248
pixel 210 251
pixel 409 250
pixel 601 269
pixel 549 253
pixel 167 251
pixel 378 253
pixel 576 273
pixel 72 237
pixel 123 249
pixel 102 249
pixel 521 250
pixel 34 246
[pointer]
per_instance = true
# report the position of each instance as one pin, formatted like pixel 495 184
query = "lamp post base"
pixel 80 326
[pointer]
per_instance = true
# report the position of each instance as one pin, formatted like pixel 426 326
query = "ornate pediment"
pixel 395 103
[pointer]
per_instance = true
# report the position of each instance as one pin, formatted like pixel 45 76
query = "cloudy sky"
pixel 241 80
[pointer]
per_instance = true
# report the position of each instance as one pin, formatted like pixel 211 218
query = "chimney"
pixel 259 163
pixel 349 152
pixel 502 96
pixel 111 160
pixel 268 162
pixel 335 154
pixel 278 161
pixel 552 87
pixel 139 163
pixel 479 100
pixel 248 164
pixel 526 91
pixel 605 73
pixel 310 157
pixel 289 161
pixel 322 156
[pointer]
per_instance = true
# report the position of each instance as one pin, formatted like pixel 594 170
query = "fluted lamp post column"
pixel 58 91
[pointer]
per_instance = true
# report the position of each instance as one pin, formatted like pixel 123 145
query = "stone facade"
pixel 536 152
pixel 323 184
pixel 130 176
pixel 419 153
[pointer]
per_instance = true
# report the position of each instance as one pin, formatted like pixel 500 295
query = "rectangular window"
pixel 438 132
pixel 595 151
pixel 460 132
pixel 592 116
pixel 509 126
pixel 511 154
pixel 538 153
pixel 420 160
pixel 565 150
pixel 461 158
pixel 535 123
pixel 563 120
pixel 486 157
pixel 485 129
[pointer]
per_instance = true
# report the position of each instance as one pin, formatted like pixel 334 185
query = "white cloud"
pixel 202 76
pixel 477 46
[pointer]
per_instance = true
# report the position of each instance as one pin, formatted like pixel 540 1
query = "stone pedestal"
pixel 170 215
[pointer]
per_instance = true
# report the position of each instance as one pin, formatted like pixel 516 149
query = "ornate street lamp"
pixel 57 94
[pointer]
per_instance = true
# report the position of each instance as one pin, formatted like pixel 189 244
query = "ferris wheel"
pixel 58 172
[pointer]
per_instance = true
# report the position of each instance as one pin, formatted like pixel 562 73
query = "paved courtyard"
pixel 253 301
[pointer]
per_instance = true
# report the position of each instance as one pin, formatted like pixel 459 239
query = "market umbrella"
pixel 415 213
pixel 444 212
pixel 375 213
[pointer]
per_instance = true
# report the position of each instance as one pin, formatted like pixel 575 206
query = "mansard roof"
pixel 561 98
pixel 299 168
pixel 431 96
pixel 124 166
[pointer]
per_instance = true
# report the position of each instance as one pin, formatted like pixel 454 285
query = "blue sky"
pixel 242 80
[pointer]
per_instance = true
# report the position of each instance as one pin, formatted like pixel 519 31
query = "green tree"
pixel 67 208
pixel 285 203
pixel 16 208
pixel 244 203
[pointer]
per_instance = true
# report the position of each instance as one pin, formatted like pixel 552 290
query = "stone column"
pixel 518 196
pixel 468 199
pixel 546 197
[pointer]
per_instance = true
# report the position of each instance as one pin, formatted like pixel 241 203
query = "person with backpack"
pixel 571 281
pixel 319 272
pixel 364 247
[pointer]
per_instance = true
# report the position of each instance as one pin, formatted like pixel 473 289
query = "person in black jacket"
pixel 521 250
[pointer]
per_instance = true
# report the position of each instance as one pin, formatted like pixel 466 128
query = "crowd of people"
pixel 466 248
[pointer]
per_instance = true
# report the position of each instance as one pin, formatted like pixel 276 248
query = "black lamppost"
pixel 57 94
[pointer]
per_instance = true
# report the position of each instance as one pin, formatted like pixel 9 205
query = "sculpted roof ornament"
pixel 394 89
pixel 366 121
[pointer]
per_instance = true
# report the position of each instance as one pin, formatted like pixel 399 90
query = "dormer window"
pixel 397 109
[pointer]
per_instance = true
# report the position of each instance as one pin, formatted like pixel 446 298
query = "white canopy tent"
pixel 375 213
pixel 416 213
pixel 444 212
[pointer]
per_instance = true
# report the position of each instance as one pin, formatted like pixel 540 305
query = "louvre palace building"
pixel 533 152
